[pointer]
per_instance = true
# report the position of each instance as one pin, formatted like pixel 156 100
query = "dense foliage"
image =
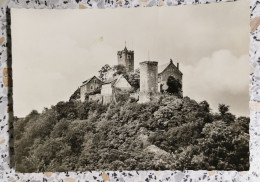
pixel 174 86
pixel 171 133
pixel 103 72
pixel 75 95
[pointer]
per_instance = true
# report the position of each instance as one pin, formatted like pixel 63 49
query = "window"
pixel 91 87
pixel 95 81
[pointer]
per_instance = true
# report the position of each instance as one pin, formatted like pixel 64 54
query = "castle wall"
pixel 148 80
pixel 107 93
pixel 106 89
pixel 121 57
pixel 91 86
pixel 130 61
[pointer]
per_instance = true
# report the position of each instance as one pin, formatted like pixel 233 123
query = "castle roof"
pixel 117 80
pixel 88 80
pixel 149 62
pixel 114 80
pixel 162 67
pixel 111 79
pixel 125 50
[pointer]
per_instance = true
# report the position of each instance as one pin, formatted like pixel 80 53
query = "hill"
pixel 172 133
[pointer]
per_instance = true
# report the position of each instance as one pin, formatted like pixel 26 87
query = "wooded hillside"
pixel 172 133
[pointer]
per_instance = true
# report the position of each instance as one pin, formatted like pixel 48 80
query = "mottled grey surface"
pixel 7 173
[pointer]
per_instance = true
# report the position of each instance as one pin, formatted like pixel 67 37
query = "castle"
pixel 153 80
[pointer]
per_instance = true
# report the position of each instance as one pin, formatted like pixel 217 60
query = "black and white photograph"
pixel 158 88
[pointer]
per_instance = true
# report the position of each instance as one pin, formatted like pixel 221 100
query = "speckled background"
pixel 7 171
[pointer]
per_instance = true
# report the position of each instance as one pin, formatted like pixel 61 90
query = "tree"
pixel 173 133
pixel 103 72
pixel 66 110
pixel 134 79
pixel 119 70
pixel 174 86
pixel 242 123
pixel 223 109
pixel 224 148
pixel 204 106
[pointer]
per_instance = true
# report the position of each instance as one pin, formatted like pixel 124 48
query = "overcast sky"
pixel 54 51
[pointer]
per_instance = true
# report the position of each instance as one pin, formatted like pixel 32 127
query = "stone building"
pixel 148 80
pixel 165 71
pixel 109 88
pixel 89 86
pixel 153 80
pixel 126 58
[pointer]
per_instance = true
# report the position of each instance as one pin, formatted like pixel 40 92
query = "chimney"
pixel 171 61
pixel 177 65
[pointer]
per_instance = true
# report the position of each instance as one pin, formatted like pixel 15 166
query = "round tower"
pixel 148 80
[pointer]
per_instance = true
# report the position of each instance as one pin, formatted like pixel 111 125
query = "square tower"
pixel 126 58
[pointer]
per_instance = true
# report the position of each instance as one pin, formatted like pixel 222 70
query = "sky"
pixel 54 51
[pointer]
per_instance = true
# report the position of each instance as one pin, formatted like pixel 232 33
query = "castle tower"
pixel 148 80
pixel 126 58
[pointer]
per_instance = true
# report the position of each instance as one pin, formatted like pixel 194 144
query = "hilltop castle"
pixel 153 80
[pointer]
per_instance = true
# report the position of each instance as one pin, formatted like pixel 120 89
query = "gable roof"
pixel 109 82
pixel 115 80
pixel 162 67
pixel 87 81
pixel 118 79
